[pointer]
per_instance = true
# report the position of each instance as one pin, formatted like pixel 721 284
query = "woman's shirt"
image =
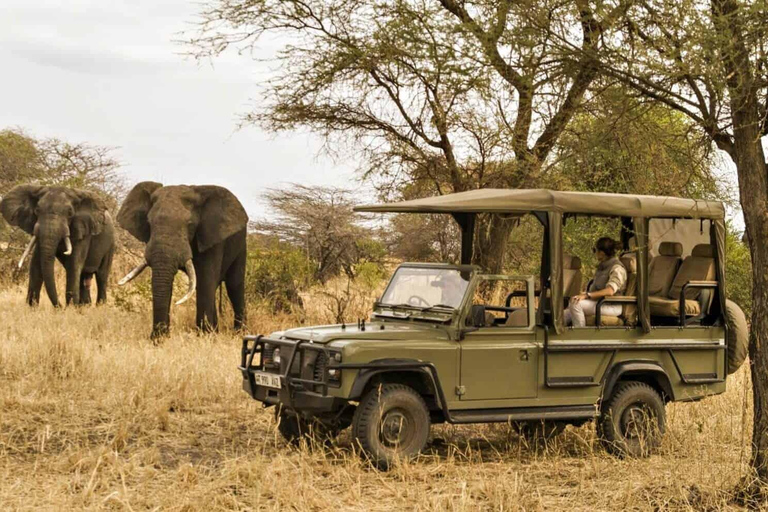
pixel 610 274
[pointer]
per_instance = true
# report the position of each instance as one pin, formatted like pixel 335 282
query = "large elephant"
pixel 67 224
pixel 200 229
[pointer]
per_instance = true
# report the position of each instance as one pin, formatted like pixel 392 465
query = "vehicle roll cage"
pixel 553 208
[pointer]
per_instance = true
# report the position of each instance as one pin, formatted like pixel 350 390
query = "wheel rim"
pixel 636 422
pixel 395 428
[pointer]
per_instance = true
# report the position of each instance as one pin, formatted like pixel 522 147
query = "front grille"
pixel 321 364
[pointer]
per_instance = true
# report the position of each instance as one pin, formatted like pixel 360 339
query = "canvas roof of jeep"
pixel 528 200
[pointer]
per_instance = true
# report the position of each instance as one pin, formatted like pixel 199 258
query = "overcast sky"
pixel 110 73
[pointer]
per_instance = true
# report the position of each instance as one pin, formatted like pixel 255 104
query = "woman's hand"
pixel 577 298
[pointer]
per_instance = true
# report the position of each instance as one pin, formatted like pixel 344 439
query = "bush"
pixel 276 273
pixel 738 271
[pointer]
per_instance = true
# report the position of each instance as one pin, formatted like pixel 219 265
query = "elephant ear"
pixel 90 214
pixel 18 206
pixel 133 214
pixel 221 216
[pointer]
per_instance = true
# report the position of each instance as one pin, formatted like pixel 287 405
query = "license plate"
pixel 269 380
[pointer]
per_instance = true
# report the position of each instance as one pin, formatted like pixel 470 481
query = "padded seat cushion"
pixel 661 306
pixel 518 318
pixel 606 321
pixel 663 268
pixel 572 276
pixel 699 266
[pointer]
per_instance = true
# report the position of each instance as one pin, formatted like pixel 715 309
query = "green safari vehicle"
pixel 450 343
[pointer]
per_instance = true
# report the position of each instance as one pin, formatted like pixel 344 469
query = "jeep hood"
pixel 375 330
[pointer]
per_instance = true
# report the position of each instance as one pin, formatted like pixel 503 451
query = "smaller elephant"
pixel 67 224
pixel 200 229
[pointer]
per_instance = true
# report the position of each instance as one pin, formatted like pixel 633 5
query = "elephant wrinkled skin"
pixel 67 224
pixel 200 229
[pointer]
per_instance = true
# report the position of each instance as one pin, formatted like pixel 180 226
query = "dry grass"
pixel 93 416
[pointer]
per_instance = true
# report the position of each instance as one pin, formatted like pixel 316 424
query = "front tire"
pixel 391 423
pixel 632 421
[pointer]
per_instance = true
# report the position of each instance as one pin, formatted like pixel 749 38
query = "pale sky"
pixel 109 73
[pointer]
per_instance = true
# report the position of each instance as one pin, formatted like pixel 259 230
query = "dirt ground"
pixel 94 416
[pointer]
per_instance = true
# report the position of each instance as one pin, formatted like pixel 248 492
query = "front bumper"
pixel 297 393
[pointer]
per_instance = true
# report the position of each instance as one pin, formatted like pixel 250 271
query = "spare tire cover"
pixel 738 335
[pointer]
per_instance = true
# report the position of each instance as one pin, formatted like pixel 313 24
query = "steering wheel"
pixel 419 299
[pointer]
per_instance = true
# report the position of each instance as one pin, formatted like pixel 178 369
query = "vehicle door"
pixel 499 352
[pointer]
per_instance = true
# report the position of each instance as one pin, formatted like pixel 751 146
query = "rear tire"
pixel 391 423
pixel 632 421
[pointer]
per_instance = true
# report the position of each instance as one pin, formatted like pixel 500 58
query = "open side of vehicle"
pixel 449 343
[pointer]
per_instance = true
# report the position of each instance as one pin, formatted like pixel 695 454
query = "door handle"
pixel 524 355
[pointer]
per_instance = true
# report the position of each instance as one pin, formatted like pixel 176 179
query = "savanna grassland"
pixel 94 416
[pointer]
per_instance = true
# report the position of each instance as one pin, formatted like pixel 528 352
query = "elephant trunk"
pixel 162 289
pixel 47 247
pixel 50 234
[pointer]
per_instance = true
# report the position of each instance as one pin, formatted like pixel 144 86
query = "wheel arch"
pixel 387 372
pixel 646 371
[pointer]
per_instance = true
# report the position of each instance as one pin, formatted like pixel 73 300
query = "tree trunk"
pixel 491 238
pixel 749 158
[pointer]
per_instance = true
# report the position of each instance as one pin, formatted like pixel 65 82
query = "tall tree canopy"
pixel 453 95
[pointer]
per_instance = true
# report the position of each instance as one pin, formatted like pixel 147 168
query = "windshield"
pixel 426 287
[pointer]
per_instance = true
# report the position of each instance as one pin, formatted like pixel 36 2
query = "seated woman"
pixel 610 279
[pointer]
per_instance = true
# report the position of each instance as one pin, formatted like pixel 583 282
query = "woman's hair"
pixel 607 245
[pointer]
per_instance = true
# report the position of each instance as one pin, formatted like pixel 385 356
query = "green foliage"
pixel 738 271
pixel 276 273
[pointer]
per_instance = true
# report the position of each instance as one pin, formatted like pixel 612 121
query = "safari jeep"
pixel 450 343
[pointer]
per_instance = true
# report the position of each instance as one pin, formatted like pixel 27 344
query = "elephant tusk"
pixel 190 269
pixel 68 246
pixel 130 276
pixel 27 250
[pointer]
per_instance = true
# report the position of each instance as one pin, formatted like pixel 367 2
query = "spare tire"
pixel 738 335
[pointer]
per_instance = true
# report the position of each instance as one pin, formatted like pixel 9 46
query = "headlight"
pixel 334 374
pixel 276 356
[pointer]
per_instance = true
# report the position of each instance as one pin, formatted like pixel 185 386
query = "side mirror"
pixel 477 316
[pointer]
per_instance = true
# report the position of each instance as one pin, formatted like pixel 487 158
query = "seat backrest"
pixel 699 266
pixel 629 311
pixel 663 268
pixel 572 275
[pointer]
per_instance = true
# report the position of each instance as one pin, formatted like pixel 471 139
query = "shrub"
pixel 276 273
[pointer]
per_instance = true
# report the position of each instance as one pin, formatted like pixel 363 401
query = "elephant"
pixel 68 224
pixel 199 229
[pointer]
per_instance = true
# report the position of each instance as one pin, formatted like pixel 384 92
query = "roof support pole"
pixel 466 222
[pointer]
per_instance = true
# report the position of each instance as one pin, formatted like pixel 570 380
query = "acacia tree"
pixel 320 222
pixel 707 59
pixel 448 95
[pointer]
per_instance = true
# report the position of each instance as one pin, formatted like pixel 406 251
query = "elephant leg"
pixel 235 282
pixel 85 288
pixel 207 318
pixel 208 270
pixel 74 267
pixel 102 278
pixel 35 280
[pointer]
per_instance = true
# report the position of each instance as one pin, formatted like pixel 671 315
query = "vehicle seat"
pixel 699 266
pixel 518 318
pixel 572 275
pixel 663 268
pixel 628 311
